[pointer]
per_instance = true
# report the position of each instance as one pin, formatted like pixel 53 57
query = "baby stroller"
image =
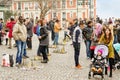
pixel 99 61
pixel 117 57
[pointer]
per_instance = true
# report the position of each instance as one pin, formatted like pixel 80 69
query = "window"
pixel 26 5
pixel 63 3
pixel 71 14
pixel 63 15
pixel 54 5
pixel 54 15
pixel 26 15
pixel 31 5
pixel 36 6
pixel 19 6
pixel 71 2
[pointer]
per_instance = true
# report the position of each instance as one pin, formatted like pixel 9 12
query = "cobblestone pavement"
pixel 59 67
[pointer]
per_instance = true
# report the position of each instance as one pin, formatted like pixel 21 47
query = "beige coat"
pixel 20 32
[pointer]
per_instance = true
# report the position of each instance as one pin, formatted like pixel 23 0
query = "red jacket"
pixel 10 25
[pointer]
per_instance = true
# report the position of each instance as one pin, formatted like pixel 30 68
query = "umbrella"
pixel 117 47
pixel 103 48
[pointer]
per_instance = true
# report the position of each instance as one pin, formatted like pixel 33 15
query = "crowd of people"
pixel 97 32
pixel 92 32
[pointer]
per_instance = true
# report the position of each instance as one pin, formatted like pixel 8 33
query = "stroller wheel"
pixel 102 77
pixel 89 76
pixel 118 67
pixel 93 74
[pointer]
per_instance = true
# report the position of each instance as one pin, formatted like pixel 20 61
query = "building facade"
pixel 62 9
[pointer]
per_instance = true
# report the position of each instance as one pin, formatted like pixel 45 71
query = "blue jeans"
pixel 25 53
pixel 56 39
pixel 88 51
pixel 20 50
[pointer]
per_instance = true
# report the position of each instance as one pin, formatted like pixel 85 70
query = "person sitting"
pixel 98 60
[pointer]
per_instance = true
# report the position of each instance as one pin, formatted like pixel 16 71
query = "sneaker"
pixel 17 65
pixel 44 61
pixel 78 66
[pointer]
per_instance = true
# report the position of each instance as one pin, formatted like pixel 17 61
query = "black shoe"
pixel 44 61
pixel 110 76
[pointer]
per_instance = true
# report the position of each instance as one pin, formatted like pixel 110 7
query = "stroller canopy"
pixel 103 48
pixel 117 47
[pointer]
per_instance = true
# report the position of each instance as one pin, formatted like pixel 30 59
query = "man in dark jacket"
pixel 87 35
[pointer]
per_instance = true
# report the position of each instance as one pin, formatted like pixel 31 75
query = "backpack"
pixel 34 29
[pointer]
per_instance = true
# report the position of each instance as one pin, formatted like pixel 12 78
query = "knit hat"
pixel 100 51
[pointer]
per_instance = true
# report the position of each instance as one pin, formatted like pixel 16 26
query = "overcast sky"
pixel 108 8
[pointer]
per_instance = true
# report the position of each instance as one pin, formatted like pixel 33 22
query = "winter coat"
pixel 20 32
pixel 10 25
pixel 110 46
pixel 29 29
pixel 87 33
pixel 44 41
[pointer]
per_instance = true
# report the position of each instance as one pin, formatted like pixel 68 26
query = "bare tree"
pixel 6 3
pixel 45 6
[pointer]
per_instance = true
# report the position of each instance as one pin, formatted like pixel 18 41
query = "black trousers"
pixel 77 52
pixel 52 35
pixel 47 49
pixel 43 51
pixel 111 63
pixel 92 54
pixel 29 42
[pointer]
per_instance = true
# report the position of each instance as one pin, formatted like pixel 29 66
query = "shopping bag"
pixel 5 60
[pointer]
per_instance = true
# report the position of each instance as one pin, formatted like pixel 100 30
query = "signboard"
pixel 1 15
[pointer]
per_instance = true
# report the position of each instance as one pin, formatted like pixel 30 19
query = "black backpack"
pixel 11 60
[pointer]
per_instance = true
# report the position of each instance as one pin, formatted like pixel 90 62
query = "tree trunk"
pixel 42 15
